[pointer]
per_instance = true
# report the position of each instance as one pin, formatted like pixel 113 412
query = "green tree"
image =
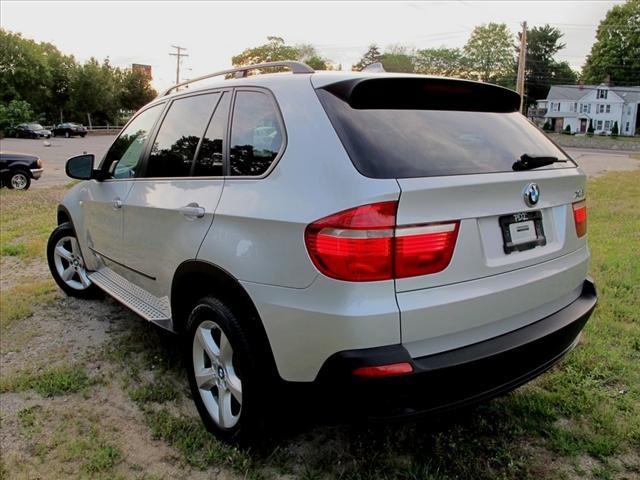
pixel 616 52
pixel 135 90
pixel 14 113
pixel 615 130
pixel 443 61
pixel 61 69
pixel 590 130
pixel 94 91
pixel 24 71
pixel 372 55
pixel 398 58
pixel 542 70
pixel 274 50
pixel 491 54
pixel 308 54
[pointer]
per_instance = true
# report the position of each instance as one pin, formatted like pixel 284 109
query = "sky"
pixel 212 32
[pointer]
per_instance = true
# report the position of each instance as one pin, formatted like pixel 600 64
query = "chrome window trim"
pixel 285 136
pixel 232 91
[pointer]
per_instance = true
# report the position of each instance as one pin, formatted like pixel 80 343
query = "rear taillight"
pixel 364 244
pixel 580 217
pixel 424 249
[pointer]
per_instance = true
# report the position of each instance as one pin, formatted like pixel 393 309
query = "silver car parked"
pixel 397 243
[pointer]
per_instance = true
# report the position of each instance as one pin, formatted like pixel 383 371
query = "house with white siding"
pixel 601 105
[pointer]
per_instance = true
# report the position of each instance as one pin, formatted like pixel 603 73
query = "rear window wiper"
pixel 529 162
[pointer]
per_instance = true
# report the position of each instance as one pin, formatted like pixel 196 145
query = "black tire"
pixel 67 135
pixel 66 230
pixel 83 135
pixel 19 180
pixel 250 424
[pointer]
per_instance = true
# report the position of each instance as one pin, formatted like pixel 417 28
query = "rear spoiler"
pixel 411 93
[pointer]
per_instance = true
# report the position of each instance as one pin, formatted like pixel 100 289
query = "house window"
pixel 608 108
pixel 602 94
pixel 607 124
pixel 629 110
pixel 600 108
pixel 599 125
pixel 627 127
pixel 575 107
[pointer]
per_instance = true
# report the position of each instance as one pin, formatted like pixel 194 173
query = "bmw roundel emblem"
pixel 531 194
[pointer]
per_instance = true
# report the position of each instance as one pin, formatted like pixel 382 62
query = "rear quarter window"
pixel 256 133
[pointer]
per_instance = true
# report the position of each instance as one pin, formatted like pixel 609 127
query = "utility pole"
pixel 178 54
pixel 521 65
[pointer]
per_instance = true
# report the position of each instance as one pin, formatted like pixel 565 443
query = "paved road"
pixel 55 155
pixel 598 162
pixel 594 162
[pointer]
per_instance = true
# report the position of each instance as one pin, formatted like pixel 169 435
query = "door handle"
pixel 193 210
pixel 116 203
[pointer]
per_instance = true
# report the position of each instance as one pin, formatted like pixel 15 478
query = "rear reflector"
pixel 580 217
pixel 364 244
pixel 384 370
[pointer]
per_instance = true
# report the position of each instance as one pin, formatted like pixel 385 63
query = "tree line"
pixel 40 83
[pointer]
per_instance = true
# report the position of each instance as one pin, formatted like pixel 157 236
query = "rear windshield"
pixel 385 142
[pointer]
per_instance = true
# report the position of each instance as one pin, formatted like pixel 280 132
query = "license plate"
pixel 522 231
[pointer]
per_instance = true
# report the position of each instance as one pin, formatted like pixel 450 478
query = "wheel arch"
pixel 63 215
pixel 20 167
pixel 195 279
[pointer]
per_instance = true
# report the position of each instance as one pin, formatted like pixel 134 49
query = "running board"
pixel 148 306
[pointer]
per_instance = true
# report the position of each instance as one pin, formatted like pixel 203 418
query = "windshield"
pixel 405 143
pixel 35 126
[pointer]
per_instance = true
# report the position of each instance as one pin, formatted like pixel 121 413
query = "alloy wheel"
pixel 218 383
pixel 69 263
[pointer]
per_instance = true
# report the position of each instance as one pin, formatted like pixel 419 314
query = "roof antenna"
pixel 376 67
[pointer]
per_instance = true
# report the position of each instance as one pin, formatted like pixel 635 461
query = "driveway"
pixel 594 162
pixel 598 162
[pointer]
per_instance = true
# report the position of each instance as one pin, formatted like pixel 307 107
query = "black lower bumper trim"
pixel 465 375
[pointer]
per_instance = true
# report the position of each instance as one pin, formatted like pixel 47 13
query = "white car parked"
pixel 401 243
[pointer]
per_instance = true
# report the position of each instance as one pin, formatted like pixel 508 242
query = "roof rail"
pixel 241 72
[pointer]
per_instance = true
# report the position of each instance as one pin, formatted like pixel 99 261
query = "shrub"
pixel 590 130
pixel 567 130
pixel 614 129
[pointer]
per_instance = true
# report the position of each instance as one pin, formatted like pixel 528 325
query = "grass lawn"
pixel 580 420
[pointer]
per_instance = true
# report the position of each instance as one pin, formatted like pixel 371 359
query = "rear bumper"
pixel 462 376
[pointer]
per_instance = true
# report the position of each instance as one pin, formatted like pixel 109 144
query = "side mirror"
pixel 81 167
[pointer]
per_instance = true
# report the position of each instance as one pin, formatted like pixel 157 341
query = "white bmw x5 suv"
pixel 413 240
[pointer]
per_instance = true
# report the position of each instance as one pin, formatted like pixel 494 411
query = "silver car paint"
pixel 257 234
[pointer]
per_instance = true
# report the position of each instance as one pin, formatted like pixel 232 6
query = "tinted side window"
pixel 123 157
pixel 256 134
pixel 210 157
pixel 181 130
